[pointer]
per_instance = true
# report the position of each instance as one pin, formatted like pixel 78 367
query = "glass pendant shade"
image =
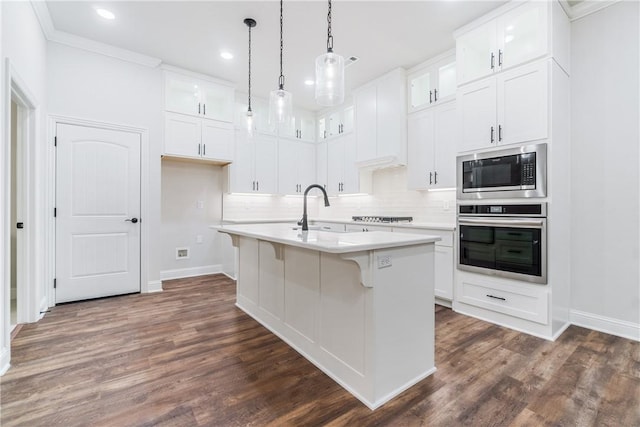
pixel 329 79
pixel 280 110
pixel 249 122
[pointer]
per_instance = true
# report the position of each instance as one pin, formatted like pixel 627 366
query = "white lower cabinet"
pixel 255 167
pixel 193 137
pixel 444 265
pixel 366 227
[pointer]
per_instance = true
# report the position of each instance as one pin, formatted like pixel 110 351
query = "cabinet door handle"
pixel 435 95
pixel 435 177
pixel 430 97
pixel 204 149
pixel 492 137
pixel 199 148
pixel 253 185
pixel 493 57
pixel 204 109
pixel 430 178
pixel 499 132
pixel 324 134
pixel 500 57
pixel 257 185
pixel 495 297
pixel 198 108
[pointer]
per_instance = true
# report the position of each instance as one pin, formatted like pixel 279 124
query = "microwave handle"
pixel 538 223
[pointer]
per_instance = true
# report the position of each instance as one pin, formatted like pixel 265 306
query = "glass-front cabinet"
pixel 432 82
pixel 186 95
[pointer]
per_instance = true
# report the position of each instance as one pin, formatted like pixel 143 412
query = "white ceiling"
pixel 190 35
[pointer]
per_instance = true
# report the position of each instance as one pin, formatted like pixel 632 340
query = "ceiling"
pixel 190 35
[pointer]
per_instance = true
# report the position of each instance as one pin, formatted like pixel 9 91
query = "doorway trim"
pixel 53 121
pixel 29 307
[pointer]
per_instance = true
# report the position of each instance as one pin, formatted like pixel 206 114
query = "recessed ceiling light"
pixel 105 14
pixel 226 55
pixel 309 82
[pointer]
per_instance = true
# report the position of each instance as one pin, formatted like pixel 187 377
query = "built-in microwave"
pixel 508 173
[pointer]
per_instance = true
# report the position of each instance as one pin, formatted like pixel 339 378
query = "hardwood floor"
pixel 189 357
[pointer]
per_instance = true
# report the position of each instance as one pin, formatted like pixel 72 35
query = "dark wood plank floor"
pixel 189 357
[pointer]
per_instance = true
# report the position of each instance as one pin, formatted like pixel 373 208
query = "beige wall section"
pixel 184 185
pixel 605 81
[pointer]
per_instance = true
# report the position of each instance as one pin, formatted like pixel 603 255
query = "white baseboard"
pixel 607 325
pixel 5 359
pixel 229 275
pixel 153 286
pixel 180 273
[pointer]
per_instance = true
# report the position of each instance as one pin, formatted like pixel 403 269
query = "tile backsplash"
pixel 389 197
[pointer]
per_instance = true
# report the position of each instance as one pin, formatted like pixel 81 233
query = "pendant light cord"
pixel 249 109
pixel 329 36
pixel 281 79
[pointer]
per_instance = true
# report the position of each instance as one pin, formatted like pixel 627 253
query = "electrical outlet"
pixel 199 238
pixel 445 205
pixel 200 204
pixel 182 253
pixel 384 261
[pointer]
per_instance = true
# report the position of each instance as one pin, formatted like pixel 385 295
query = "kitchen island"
pixel 357 305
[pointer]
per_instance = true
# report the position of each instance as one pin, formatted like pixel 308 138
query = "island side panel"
pixel 302 295
pixel 271 281
pixel 247 292
pixel 403 318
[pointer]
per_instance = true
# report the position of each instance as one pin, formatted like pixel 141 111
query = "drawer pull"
pixel 513 251
pixel 495 297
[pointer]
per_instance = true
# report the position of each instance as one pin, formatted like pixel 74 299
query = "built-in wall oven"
pixel 518 172
pixel 507 240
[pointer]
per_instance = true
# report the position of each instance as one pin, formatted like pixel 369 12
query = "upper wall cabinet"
pixel 514 36
pixel 200 98
pixel 335 122
pixel 381 121
pixel 302 127
pixel 432 82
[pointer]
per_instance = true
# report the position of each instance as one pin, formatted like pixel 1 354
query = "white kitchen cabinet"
pixel 336 122
pixel 354 228
pixel 509 108
pixel 302 126
pixel 381 121
pixel 432 82
pixel 199 98
pixel 321 164
pixel 517 36
pixel 296 166
pixel 432 149
pixel 193 137
pixel 343 175
pixel 445 261
pixel 255 167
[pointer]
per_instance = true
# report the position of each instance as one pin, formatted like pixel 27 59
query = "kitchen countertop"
pixel 325 241
pixel 413 224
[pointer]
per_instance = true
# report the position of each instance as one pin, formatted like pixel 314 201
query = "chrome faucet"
pixel 304 223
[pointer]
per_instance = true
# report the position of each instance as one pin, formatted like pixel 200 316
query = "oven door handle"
pixel 537 223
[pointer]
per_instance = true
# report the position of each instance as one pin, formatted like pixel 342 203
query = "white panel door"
pixel 288 159
pixel 445 146
pixel 97 198
pixel 523 104
pixel 476 104
pixel 366 123
pixel 217 140
pixel 420 149
pixel 182 135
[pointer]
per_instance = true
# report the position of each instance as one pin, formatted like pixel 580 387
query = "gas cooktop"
pixel 383 219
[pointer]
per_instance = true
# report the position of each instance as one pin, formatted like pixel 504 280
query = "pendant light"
pixel 280 101
pixel 329 73
pixel 249 22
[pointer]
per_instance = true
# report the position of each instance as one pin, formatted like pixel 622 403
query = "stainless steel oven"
pixel 507 240
pixel 509 173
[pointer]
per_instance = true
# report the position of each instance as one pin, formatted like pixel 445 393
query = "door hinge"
pixel 55 141
pixel 55 283
pixel 55 212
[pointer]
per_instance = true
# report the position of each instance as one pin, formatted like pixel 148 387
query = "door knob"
pixel 133 220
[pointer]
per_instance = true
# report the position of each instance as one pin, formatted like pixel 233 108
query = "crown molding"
pixel 587 7
pixel 51 34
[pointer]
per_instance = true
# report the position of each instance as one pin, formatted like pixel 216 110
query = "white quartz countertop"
pixel 325 241
pixel 413 224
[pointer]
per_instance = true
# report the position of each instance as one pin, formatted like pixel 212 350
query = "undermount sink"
pixel 318 228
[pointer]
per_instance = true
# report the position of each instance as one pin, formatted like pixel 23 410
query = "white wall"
pixel 87 85
pixel 183 220
pixel 24 44
pixel 605 231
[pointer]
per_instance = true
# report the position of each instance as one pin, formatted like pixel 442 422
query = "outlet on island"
pixel 384 261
